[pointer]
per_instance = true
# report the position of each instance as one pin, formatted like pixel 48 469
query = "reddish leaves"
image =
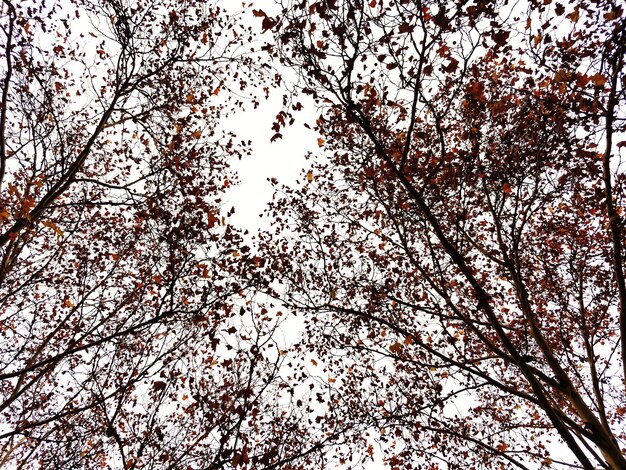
pixel 454 247
pixel 268 22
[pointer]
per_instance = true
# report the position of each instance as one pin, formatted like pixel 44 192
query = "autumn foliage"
pixel 121 346
pixel 458 260
pixel 444 289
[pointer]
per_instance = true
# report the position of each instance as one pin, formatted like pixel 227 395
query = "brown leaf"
pixel 500 37
pixel 575 15
pixel 158 386
pixel 476 89
pixel 452 65
pixel 406 28
pixel 598 80
pixel 53 226
pixel 268 23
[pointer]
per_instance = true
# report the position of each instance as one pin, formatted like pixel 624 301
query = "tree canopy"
pixel 448 273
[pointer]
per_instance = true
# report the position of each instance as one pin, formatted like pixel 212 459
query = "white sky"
pixel 283 159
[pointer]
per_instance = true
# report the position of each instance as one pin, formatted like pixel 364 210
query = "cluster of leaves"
pixel 120 343
pixel 455 260
pixel 459 258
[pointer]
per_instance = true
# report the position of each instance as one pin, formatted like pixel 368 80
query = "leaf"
pixel 582 80
pixel 57 86
pixel 396 348
pixel 309 176
pixel 598 80
pixel 320 142
pixel 158 386
pixel 213 219
pixel 506 188
pixel 452 65
pixel 259 13
pixel 575 15
pixel 561 76
pixel 500 37
pixel 406 28
pixel 53 226
pixel 536 40
pixel 268 23
pixel 476 89
pixel 68 303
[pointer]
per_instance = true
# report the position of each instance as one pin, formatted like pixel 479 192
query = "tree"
pixel 126 340
pixel 458 253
